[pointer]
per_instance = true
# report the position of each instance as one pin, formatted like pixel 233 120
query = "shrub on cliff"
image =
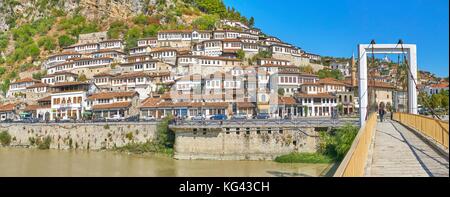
pixel 45 144
pixel 5 138
pixel 338 142
pixel 166 137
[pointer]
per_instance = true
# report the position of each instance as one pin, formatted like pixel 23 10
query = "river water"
pixel 58 163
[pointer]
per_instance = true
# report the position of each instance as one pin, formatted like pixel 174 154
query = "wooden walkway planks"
pixel 398 152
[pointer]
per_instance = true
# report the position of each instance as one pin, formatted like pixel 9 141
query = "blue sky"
pixel 335 27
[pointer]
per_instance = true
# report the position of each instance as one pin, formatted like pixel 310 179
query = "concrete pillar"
pixel 412 80
pixel 363 99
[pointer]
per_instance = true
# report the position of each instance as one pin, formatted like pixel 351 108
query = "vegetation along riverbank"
pixel 332 148
pixel 162 145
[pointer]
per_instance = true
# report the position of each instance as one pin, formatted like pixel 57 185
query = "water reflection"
pixel 32 162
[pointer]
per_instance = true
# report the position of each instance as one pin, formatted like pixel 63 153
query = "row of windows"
pixel 288 79
pixel 233 44
pixel 164 54
pixel 69 100
pixel 92 62
pixel 101 80
pixel 63 58
pixel 134 80
pixel 309 100
pixel 141 66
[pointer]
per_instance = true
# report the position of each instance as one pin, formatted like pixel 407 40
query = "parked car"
pixel 7 120
pixel 100 119
pixel 115 118
pixel 239 117
pixel 262 116
pixel 132 118
pixel 149 118
pixel 29 120
pixel 199 117
pixel 219 117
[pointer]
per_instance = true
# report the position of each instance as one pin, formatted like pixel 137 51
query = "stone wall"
pixel 81 136
pixel 243 144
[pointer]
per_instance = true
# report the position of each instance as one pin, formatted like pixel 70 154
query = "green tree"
pixel 337 143
pixel 82 78
pixel 336 74
pixel 117 29
pixel 5 85
pixel 65 41
pixel 445 100
pixel 47 42
pixel 307 69
pixel 132 36
pixel 151 30
pixel 211 6
pixel 5 138
pixel 205 22
pixel 241 54
pixel 4 40
pixel 280 91
pixel 141 19
pixel 32 50
pixel 340 108
pixel 305 110
pixel 251 21
pixel 43 25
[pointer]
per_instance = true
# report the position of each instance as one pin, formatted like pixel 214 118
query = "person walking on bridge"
pixel 381 112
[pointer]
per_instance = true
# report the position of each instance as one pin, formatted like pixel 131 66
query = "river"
pixel 59 163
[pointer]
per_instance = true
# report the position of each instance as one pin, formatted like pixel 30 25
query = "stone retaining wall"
pixel 243 144
pixel 81 136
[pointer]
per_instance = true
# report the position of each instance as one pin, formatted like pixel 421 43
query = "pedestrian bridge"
pixel 407 146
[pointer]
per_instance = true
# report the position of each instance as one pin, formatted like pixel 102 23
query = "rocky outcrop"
pixel 103 10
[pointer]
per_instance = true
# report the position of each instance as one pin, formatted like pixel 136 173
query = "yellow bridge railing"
pixel 354 163
pixel 435 129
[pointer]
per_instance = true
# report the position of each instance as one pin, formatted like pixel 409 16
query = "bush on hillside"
pixel 65 41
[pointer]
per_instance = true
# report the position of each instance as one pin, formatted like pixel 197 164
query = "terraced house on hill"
pixel 184 73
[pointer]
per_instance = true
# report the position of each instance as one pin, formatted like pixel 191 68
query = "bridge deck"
pixel 398 152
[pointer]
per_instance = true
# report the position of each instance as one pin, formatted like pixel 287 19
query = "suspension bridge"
pixel 404 145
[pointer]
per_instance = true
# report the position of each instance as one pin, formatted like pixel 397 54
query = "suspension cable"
pixel 400 42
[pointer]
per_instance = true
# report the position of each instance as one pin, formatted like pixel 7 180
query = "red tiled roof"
pixel 24 80
pixel 7 107
pixel 320 95
pixel 107 51
pixel 131 75
pixel 64 53
pixel 273 59
pixel 149 38
pixel 38 85
pixel 118 105
pixel 379 84
pixel 441 85
pixel 69 83
pixel 60 73
pixel 330 81
pixel 110 95
pixel 217 58
pixel 245 105
pixel 150 102
pixel 175 31
pixel 287 100
pixel 31 107
pixel 104 75
pixel 111 40
pixel 47 98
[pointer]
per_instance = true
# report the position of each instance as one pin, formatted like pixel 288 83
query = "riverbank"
pixel 59 163
pixel 305 158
